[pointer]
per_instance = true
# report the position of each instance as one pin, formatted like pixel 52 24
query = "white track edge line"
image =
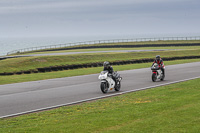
pixel 95 98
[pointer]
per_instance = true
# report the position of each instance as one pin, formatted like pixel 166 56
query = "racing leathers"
pixel 110 71
pixel 160 64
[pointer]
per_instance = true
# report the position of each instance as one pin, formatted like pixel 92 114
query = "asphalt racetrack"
pixel 20 98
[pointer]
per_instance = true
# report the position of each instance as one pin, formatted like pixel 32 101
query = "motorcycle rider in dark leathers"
pixel 159 61
pixel 109 68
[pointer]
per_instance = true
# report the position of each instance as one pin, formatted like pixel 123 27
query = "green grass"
pixel 27 63
pixel 77 72
pixel 108 49
pixel 128 43
pixel 168 109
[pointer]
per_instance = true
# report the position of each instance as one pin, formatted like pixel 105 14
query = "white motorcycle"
pixel 107 83
pixel 157 73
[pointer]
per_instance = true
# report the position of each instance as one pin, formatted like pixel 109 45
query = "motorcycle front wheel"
pixel 153 77
pixel 118 86
pixel 104 87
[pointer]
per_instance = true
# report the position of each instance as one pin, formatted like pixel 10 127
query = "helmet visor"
pixel 157 58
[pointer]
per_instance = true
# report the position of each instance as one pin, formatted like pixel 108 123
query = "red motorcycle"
pixel 157 73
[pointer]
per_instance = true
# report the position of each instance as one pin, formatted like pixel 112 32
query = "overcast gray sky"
pixel 26 18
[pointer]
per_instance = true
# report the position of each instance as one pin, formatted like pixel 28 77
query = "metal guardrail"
pixel 102 42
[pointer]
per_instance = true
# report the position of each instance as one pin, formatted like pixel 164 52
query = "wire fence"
pixel 101 42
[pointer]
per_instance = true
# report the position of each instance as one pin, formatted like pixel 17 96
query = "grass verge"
pixel 77 72
pixel 112 49
pixel 31 63
pixel 173 108
pixel 147 43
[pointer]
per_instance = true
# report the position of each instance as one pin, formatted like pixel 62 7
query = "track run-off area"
pixel 85 52
pixel 21 98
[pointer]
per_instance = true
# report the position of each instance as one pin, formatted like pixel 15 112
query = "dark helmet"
pixel 158 57
pixel 106 64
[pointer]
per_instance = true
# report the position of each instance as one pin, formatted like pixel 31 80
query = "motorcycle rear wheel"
pixel 104 87
pixel 163 77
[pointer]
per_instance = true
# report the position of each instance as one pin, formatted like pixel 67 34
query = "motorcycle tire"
pixel 153 77
pixel 118 86
pixel 162 78
pixel 104 87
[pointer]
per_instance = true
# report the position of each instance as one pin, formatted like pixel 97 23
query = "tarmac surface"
pixel 26 97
